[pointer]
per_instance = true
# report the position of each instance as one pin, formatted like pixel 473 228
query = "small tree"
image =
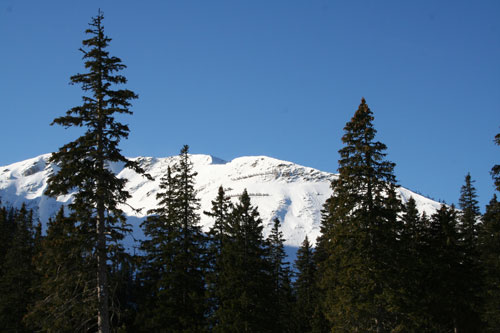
pixel 470 210
pixel 221 207
pixel 281 279
pixel 305 287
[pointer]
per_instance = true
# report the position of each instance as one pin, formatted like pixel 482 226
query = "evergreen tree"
pixel 66 293
pixel 495 171
pixel 470 211
pixel 174 260
pixel 18 273
pixel 446 294
pixel 7 228
pixel 321 254
pixel 489 246
pixel 469 318
pixel 192 255
pixel 305 288
pixel 221 208
pixel 281 280
pixel 159 247
pixel 358 276
pixel 83 164
pixel 410 300
pixel 125 289
pixel 245 282
pixel 412 232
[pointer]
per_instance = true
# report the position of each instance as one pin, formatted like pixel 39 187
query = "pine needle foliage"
pixel 468 228
pixel 83 165
pixel 305 289
pixel 359 232
pixel 174 261
pixel 409 301
pixel 245 282
pixel 489 246
pixel 281 277
pixel 217 236
pixel 66 293
pixel 495 171
pixel 470 210
pixel 17 271
pixel 444 270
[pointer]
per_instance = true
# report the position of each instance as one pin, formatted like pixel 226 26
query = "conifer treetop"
pixel 86 158
pixel 495 171
pixel 363 171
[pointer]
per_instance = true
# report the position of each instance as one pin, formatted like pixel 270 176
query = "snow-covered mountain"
pixel 293 193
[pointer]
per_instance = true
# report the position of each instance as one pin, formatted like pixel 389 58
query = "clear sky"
pixel 268 77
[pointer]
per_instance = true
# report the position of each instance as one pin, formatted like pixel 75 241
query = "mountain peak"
pixel 293 193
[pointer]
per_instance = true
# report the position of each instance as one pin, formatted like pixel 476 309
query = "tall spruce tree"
pixel 193 245
pixel 245 283
pixel 174 261
pixel 489 248
pixel 357 272
pixel 83 164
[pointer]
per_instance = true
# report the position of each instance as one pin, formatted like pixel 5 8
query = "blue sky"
pixel 276 78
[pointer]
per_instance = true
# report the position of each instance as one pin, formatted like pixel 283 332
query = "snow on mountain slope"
pixel 293 193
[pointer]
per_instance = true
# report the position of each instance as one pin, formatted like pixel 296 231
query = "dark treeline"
pixel 379 265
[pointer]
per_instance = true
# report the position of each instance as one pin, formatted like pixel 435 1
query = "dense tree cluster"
pixel 379 264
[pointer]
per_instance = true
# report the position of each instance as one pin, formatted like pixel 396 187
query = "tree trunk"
pixel 102 277
pixel 102 274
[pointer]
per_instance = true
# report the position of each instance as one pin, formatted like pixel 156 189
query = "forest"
pixel 378 266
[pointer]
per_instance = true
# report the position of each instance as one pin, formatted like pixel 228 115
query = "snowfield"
pixel 293 193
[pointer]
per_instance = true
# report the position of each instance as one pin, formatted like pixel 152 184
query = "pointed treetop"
pixel 362 117
pixel 495 171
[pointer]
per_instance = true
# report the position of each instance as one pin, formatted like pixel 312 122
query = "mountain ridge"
pixel 292 192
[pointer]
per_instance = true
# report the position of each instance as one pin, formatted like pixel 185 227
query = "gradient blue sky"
pixel 276 78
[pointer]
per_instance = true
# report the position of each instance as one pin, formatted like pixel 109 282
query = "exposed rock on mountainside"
pixel 293 193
